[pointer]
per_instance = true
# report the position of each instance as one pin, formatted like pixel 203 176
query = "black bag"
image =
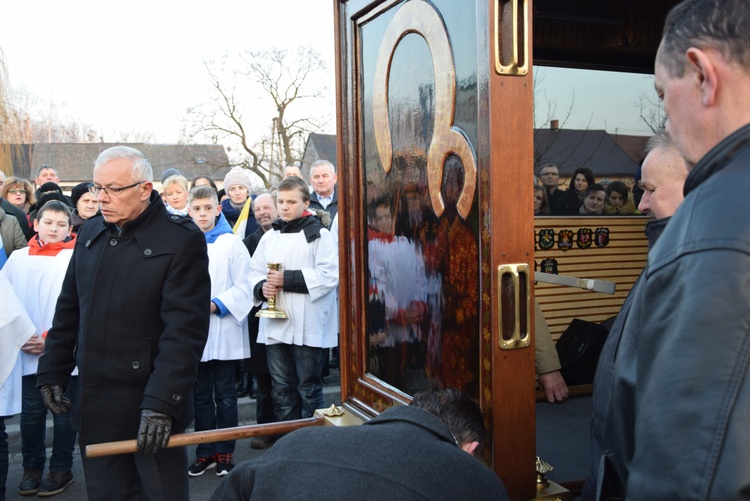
pixel 579 348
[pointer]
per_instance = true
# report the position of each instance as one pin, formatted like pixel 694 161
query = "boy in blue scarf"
pixel 215 397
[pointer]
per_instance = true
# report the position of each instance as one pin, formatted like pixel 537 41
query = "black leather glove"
pixel 54 398
pixel 154 431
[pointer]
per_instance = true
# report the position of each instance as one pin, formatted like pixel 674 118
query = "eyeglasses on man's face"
pixel 550 174
pixel 111 190
pixel 17 192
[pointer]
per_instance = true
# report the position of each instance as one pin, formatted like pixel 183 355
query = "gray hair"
pixel 720 24
pixel 660 140
pixel 549 164
pixel 322 163
pixel 142 170
pixel 45 166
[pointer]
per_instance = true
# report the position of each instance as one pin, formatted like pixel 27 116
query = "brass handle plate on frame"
pixel 514 306
pixel 512 37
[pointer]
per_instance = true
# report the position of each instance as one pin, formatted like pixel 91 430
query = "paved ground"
pixel 200 487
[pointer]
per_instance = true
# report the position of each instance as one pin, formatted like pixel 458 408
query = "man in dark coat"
pixel 550 178
pixel 664 174
pixel 324 195
pixel 133 315
pixel 677 422
pixel 423 451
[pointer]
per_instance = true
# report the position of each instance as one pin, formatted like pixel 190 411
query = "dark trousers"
pixel 3 457
pixel 135 477
pixel 264 402
pixel 297 384
pixel 34 427
pixel 215 403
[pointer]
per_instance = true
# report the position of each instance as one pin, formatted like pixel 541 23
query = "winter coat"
pixel 405 453
pixel 677 422
pixel 133 314
pixel 10 233
pixel 332 209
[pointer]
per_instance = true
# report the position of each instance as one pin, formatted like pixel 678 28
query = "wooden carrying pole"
pixel 201 437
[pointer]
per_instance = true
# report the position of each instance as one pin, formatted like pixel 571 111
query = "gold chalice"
pixel 272 311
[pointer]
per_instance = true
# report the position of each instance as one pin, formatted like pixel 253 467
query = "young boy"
pixel 305 289
pixel 36 273
pixel 214 393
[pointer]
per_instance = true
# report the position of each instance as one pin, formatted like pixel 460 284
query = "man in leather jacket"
pixel 664 174
pixel 677 421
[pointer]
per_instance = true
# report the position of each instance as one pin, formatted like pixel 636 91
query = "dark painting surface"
pixel 419 136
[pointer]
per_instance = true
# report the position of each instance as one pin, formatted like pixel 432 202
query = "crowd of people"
pixel 177 359
pixel 116 354
pixel 180 365
pixel 584 196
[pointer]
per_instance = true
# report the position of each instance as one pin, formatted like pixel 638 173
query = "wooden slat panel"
pixel 620 261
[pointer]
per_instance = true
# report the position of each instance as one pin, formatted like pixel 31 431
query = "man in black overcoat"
pixel 133 315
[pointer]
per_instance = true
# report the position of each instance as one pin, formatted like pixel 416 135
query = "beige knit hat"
pixel 238 175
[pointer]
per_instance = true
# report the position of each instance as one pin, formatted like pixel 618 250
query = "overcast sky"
pixel 137 66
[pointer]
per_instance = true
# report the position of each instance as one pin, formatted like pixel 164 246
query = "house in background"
pixel 634 146
pixel 610 157
pixel 318 147
pixel 597 150
pixel 75 161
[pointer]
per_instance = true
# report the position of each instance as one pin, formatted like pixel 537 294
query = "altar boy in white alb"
pixel 228 341
pixel 306 290
pixel 15 329
pixel 36 273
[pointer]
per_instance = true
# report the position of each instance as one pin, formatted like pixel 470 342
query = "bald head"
pixel 264 210
pixel 663 174
pixel 292 170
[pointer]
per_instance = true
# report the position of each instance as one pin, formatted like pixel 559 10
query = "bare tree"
pixel 267 143
pixel 29 120
pixel 3 89
pixel 542 120
pixel 651 111
pixel 134 136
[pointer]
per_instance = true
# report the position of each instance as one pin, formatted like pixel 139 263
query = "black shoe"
pixel 55 483
pixel 263 442
pixel 224 464
pixel 245 385
pixel 30 483
pixel 201 465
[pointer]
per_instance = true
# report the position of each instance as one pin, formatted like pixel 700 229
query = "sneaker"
pixel 225 464
pixel 55 483
pixel 30 482
pixel 201 465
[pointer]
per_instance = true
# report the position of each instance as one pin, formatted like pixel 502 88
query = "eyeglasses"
pixel 550 174
pixel 111 190
pixel 17 192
